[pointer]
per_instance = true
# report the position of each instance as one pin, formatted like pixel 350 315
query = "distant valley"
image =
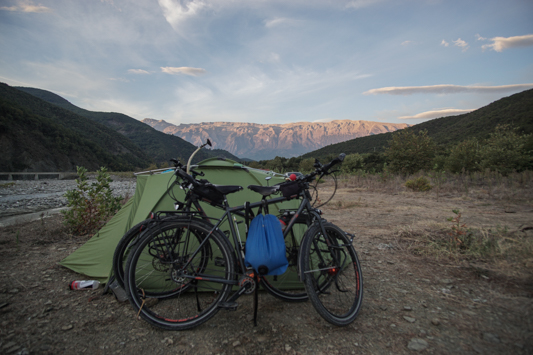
pixel 266 141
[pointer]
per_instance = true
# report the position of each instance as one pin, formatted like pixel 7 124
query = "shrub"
pixel 409 152
pixel 419 184
pixel 90 205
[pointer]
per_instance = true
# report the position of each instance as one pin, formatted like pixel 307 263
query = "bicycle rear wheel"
pixel 333 277
pixel 179 273
pixel 126 243
pixel 288 286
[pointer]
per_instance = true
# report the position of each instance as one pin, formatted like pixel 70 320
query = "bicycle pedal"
pixel 228 306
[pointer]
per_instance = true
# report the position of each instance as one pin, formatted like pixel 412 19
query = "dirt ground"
pixel 412 303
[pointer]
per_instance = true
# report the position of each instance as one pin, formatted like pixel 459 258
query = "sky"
pixel 270 61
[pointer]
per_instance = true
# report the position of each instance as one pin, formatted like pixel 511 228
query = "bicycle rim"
pixel 166 292
pixel 333 277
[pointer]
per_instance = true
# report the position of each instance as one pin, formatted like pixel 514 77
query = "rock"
pixel 435 321
pixel 417 344
pixel 409 319
pixel 67 327
pixel 407 308
pixel 287 347
pixel 236 343
pixel 493 338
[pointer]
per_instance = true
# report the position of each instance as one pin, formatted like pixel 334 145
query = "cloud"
pixel 501 43
pixel 462 44
pixel 447 89
pixel 26 6
pixel 444 43
pixel 405 43
pixel 437 113
pixel 358 4
pixel 137 71
pixel 178 11
pixel 279 21
pixel 183 70
pixel 479 38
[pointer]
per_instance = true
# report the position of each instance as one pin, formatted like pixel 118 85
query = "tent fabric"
pixel 95 258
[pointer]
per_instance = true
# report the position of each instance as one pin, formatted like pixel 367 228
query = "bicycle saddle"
pixel 264 190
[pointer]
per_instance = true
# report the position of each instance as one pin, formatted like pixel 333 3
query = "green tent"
pixel 95 258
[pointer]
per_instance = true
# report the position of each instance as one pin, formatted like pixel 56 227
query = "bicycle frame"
pixel 305 205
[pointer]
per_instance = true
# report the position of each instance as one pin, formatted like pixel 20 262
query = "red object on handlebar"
pixel 292 177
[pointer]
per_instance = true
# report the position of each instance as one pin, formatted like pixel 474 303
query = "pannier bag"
pixel 265 246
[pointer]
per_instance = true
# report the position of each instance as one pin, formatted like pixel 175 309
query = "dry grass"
pixel 486 185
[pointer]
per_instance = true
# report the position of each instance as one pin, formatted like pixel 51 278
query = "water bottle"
pixel 84 284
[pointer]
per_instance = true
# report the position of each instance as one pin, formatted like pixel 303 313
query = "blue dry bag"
pixel 265 246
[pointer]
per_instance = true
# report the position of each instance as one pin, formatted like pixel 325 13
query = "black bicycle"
pixel 286 287
pixel 183 269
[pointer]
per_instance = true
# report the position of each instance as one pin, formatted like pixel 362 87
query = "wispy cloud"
pixel 437 113
pixel 279 21
pixel 26 6
pixel 444 43
pixel 447 89
pixel 183 70
pixel 406 43
pixel 176 12
pixel 461 44
pixel 501 43
pixel 357 4
pixel 138 71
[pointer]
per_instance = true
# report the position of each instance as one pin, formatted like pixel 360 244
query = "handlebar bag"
pixel 289 188
pixel 265 246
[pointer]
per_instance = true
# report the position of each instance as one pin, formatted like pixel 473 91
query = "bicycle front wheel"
pixel 179 273
pixel 332 274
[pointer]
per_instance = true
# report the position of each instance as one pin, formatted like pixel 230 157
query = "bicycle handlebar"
pixel 323 169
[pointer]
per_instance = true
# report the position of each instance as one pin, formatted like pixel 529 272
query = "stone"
pixel 493 338
pixel 435 321
pixel 409 319
pixel 417 344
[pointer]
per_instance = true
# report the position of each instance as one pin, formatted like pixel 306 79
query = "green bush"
pixel 410 152
pixel 506 151
pixel 90 206
pixel 419 184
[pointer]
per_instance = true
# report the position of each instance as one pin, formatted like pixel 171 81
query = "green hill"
pixel 516 109
pixel 157 145
pixel 37 135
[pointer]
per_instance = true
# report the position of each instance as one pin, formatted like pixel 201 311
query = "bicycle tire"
pixel 157 288
pixel 333 277
pixel 126 243
pixel 284 286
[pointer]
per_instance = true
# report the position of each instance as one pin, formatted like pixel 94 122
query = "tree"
pixel 409 152
pixel 352 163
pixel 506 151
pixel 465 156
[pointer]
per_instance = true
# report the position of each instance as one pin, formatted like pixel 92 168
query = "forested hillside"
pixel 516 110
pixel 34 131
pixel 157 145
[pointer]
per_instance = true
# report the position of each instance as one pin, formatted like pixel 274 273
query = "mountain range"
pixel 266 141
pixel 41 131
